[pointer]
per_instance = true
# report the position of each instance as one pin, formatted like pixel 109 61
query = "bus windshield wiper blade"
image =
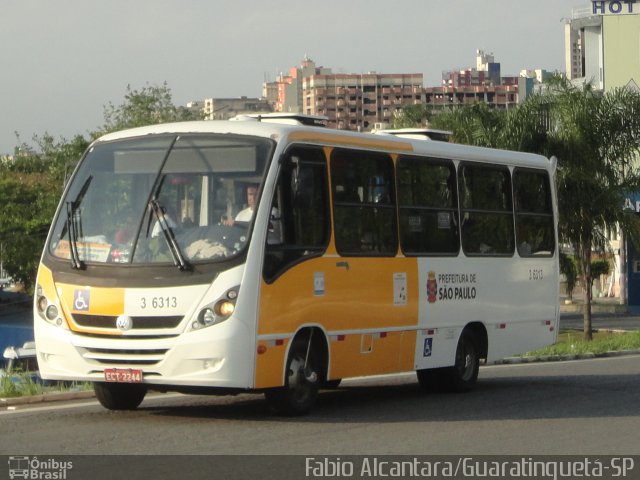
pixel 76 263
pixel 72 230
pixel 178 257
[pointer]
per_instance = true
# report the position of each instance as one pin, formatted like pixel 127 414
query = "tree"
pixel 474 124
pixel 30 188
pixel 31 184
pixel 411 116
pixel 150 105
pixel 596 138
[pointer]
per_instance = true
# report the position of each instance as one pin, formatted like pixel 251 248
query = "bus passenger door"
pixel 298 236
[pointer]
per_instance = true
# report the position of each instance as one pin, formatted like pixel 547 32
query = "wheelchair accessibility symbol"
pixel 81 300
pixel 428 347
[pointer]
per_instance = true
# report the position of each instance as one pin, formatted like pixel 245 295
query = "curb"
pixel 564 358
pixel 45 397
pixel 598 308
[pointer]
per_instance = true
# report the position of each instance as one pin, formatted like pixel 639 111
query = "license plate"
pixel 123 375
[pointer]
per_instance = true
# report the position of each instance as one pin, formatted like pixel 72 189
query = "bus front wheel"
pixel 119 396
pixel 299 393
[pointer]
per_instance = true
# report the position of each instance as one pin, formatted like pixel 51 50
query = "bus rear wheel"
pixel 300 391
pixel 463 375
pixel 119 396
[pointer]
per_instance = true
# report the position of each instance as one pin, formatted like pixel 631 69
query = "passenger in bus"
pixel 524 236
pixel 125 234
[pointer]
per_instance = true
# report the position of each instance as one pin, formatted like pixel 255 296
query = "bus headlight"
pixel 47 309
pixel 42 303
pixel 225 308
pixel 217 312
pixel 52 312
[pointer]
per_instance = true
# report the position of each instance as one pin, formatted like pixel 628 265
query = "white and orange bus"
pixel 252 256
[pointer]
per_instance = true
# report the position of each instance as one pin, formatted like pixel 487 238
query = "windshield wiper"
pixel 72 229
pixel 178 257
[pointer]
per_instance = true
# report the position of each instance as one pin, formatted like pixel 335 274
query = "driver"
pixel 274 234
pixel 246 214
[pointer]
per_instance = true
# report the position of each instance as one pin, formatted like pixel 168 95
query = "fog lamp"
pixel 207 317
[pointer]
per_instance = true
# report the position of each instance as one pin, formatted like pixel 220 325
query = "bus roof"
pixel 284 118
pixel 418 133
pixel 323 136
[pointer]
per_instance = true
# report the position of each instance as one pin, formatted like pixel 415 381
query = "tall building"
pixel 349 101
pixel 602 44
pixel 359 101
pixel 482 83
pixel 285 94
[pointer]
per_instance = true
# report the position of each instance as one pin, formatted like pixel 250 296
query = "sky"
pixel 62 61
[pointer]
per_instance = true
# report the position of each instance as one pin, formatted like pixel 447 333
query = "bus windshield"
pixel 162 199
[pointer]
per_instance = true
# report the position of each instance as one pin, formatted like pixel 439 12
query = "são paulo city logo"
pixel 451 286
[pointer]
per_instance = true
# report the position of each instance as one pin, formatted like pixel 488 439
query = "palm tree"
pixel 596 138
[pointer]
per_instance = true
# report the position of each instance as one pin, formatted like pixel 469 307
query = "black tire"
pixel 300 391
pixel 463 375
pixel 431 379
pixel 119 396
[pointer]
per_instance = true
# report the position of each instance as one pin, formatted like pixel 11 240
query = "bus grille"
pixel 113 356
pixel 139 323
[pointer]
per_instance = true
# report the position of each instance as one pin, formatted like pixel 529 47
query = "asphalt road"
pixel 588 407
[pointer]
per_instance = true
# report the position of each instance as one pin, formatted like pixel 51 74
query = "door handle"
pixel 343 264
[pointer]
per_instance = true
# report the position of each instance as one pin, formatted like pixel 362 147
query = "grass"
pixel 20 384
pixel 572 343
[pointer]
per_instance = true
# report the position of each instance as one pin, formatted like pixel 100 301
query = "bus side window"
pixel 486 209
pixel 363 203
pixel 301 203
pixel 428 206
pixel 534 213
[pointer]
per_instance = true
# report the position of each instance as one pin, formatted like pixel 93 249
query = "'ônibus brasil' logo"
pixel 432 287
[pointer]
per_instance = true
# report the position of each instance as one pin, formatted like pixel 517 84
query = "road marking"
pixel 49 408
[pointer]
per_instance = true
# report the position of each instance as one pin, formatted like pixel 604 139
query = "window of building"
pixel 428 206
pixel 486 211
pixel 363 203
pixel 534 213
pixel 299 227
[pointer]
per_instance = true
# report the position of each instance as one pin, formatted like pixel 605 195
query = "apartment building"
pixel 285 93
pixel 359 101
pixel 482 83
pixel 350 101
